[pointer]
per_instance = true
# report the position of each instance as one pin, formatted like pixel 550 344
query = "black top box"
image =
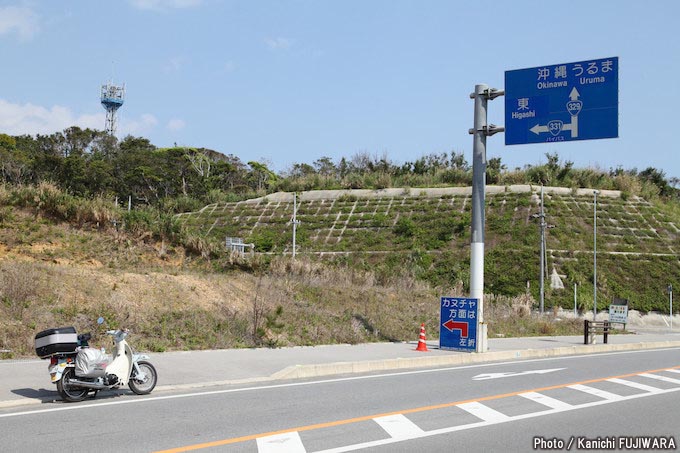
pixel 55 341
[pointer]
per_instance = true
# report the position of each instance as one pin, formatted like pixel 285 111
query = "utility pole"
pixel 480 131
pixel 595 193
pixel 543 258
pixel 295 222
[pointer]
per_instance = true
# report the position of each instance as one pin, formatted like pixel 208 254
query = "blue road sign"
pixel 458 323
pixel 563 102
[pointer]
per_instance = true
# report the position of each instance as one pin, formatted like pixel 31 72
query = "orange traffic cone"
pixel 422 346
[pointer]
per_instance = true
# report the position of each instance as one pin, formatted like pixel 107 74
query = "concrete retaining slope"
pixel 287 197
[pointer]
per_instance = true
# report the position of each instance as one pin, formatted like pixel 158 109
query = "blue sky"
pixel 292 81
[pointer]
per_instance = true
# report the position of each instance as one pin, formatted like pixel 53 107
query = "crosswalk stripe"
pixel 484 412
pixel 546 400
pixel 281 443
pixel 597 392
pixel 646 388
pixel 661 378
pixel 398 426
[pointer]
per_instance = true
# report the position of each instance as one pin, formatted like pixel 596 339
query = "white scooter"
pixel 88 369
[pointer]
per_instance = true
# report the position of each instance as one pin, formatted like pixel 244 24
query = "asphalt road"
pixel 487 407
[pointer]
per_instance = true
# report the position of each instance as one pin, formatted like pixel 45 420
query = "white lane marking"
pixel 485 376
pixel 660 378
pixel 597 392
pixel 318 382
pixel 545 400
pixel 674 371
pixel 437 432
pixel 398 426
pixel 281 443
pixel 636 385
pixel 484 412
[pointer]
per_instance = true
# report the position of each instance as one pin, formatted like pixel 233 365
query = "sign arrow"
pixel 452 325
pixel 573 126
pixel 483 377
pixel 537 129
pixel 574 94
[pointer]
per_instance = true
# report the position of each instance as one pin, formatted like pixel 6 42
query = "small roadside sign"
pixel 618 311
pixel 458 324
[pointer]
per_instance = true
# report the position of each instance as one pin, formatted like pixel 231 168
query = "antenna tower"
pixel 112 98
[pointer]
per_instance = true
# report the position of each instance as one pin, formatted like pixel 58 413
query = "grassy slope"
pixel 638 242
pixel 53 274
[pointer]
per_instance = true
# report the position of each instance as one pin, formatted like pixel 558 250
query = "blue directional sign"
pixel 458 324
pixel 563 102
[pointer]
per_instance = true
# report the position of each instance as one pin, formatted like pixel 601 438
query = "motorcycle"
pixel 78 369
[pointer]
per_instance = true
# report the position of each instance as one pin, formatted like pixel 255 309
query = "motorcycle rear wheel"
pixel 69 392
pixel 144 387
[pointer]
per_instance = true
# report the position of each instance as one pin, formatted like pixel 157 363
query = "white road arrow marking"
pixel 485 376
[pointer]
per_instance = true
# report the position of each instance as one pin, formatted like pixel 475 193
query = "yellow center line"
pixel 364 418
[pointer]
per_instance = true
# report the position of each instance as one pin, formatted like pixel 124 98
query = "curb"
pixel 308 371
pixel 337 368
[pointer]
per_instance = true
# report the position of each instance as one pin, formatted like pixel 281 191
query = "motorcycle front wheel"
pixel 146 385
pixel 69 392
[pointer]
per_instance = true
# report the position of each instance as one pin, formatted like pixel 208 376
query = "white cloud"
pixel 20 20
pixel 176 124
pixel 163 5
pixel 279 43
pixel 19 119
pixel 137 127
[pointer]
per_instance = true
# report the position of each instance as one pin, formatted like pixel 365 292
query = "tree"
pixel 261 175
pixel 494 168
pixel 325 167
pixel 14 162
pixel 658 178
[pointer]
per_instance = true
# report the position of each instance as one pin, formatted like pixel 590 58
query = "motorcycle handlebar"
pixel 116 332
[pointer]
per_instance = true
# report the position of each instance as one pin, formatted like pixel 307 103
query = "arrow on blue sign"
pixel 574 107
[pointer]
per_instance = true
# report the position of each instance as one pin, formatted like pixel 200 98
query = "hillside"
pixel 372 266
pixel 428 229
pixel 53 274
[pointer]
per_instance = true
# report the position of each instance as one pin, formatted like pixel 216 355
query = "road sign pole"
pixel 481 130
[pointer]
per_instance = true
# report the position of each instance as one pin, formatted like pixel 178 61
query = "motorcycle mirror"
pixel 100 320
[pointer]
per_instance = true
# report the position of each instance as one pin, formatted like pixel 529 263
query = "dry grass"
pixel 52 274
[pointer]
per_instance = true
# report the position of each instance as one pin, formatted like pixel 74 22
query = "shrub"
pixel 404 227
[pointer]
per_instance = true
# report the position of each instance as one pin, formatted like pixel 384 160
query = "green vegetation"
pixel 369 269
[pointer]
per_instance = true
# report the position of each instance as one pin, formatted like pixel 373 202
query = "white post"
pixel 670 296
pixel 575 284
